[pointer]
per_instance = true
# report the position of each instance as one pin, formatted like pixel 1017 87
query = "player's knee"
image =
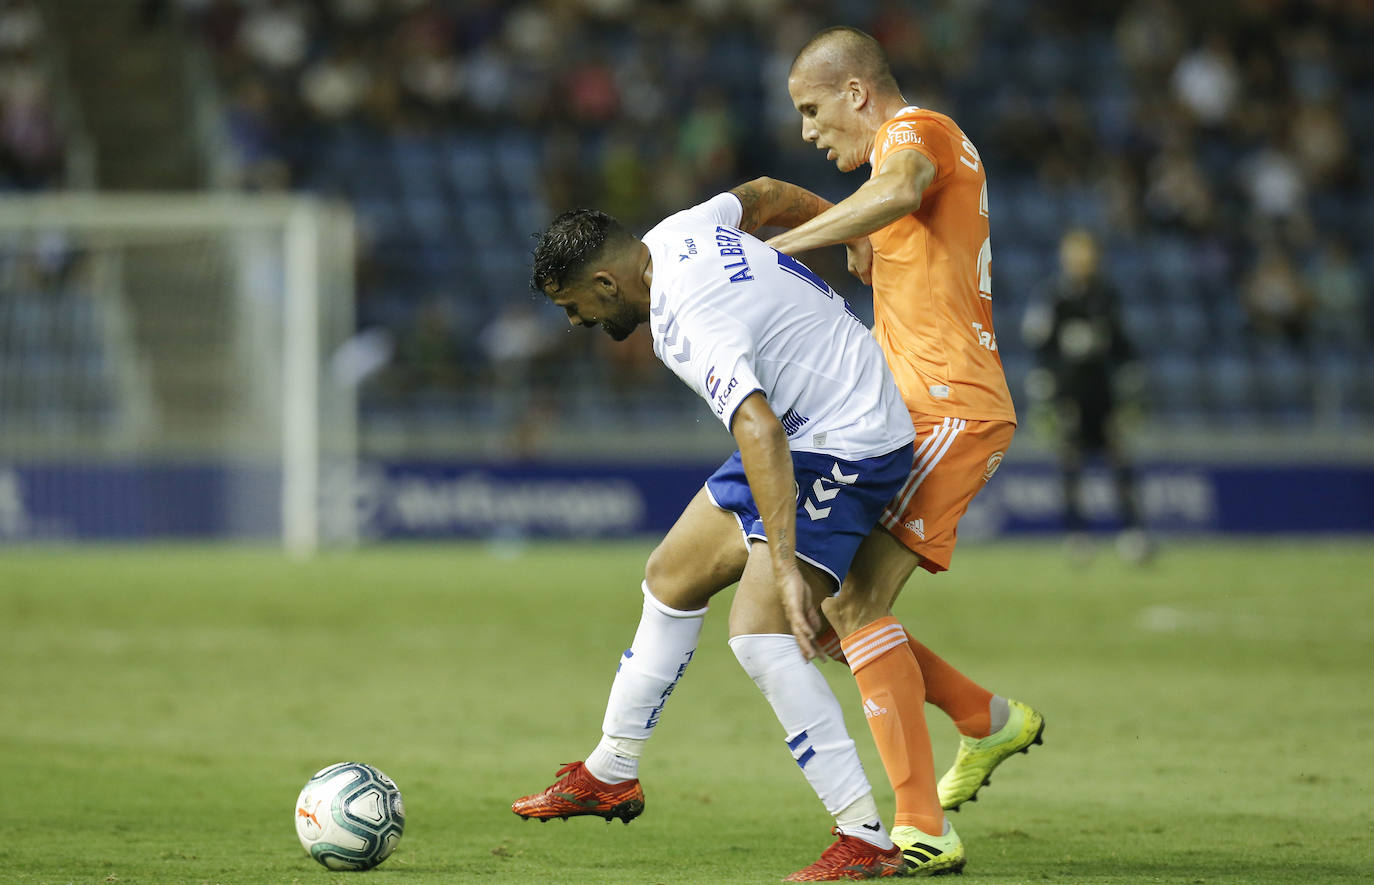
pixel 848 612
pixel 676 583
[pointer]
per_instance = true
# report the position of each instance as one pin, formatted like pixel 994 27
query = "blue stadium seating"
pixel 1283 385
pixel 1230 386
pixel 451 211
pixel 1176 386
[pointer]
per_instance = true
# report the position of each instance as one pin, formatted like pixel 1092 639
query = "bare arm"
pixel 892 193
pixel 769 201
pixel 768 468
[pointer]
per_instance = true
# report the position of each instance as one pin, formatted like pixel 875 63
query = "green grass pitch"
pixel 1210 718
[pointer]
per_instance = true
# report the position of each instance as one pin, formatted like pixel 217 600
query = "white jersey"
pixel 730 316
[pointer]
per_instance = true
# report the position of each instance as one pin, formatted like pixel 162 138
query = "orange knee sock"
pixel 894 704
pixel 829 643
pixel 962 699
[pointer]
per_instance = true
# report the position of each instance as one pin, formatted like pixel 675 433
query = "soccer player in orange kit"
pixel 917 229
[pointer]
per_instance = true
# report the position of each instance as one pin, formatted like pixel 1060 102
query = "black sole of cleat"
pixel 626 811
pixel 1038 739
pixel 911 871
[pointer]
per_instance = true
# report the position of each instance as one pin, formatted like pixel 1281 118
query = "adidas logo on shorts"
pixel 918 526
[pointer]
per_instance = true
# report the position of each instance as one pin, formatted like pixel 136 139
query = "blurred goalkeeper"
pixel 1087 373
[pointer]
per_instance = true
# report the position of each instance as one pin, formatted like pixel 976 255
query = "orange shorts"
pixel 955 458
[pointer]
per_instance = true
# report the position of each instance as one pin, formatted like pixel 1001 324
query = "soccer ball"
pixel 350 816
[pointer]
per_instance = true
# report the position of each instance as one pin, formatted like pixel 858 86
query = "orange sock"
pixel 962 699
pixel 894 704
pixel 829 643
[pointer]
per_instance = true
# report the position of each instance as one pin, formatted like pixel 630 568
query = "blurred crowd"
pixel 1220 152
pixel 31 145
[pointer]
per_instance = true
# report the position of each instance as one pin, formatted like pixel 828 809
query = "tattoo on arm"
pixel 752 198
pixel 801 206
pixel 768 201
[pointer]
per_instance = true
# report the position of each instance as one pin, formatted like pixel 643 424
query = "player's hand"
pixel 860 256
pixel 802 617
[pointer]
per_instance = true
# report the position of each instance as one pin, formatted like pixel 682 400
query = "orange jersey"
pixel 932 291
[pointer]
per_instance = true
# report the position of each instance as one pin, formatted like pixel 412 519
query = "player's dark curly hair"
pixel 570 243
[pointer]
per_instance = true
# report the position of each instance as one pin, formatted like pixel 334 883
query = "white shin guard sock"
pixel 812 719
pixel 861 819
pixel 649 671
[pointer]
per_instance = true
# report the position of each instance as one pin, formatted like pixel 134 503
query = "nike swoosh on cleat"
pixel 583 803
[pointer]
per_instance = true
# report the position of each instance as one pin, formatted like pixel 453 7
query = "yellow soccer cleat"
pixel 927 855
pixel 977 757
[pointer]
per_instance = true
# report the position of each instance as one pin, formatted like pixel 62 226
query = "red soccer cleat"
pixel 851 858
pixel 580 793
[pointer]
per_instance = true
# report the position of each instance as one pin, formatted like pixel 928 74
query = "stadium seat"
pixel 519 161
pixel 1036 211
pixel 1143 325
pixel 1017 366
pixel 528 216
pixel 1230 326
pixel 469 167
pixel 1175 270
pixel 429 218
pixel 1016 274
pixel 1083 207
pixel 380 219
pixel 484 223
pixel 1283 385
pixel 1186 325
pixel 1336 385
pixel 1176 385
pixel 1364 383
pixel 416 161
pixel 1230 386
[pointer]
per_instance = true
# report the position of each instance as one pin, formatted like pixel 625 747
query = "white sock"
pixel 812 719
pixel 615 760
pixel 861 820
pixel 649 671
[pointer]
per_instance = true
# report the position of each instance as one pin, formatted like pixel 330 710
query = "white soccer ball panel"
pixel 370 806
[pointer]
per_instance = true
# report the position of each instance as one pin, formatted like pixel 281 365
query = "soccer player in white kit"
pixel 824 443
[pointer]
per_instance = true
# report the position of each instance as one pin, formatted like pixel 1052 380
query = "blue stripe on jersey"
pixel 792 422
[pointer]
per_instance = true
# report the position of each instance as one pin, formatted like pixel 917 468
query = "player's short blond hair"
pixel 850 52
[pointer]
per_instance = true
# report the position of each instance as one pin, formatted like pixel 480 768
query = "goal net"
pixel 165 367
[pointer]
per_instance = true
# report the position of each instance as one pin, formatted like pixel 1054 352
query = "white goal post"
pixel 199 330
